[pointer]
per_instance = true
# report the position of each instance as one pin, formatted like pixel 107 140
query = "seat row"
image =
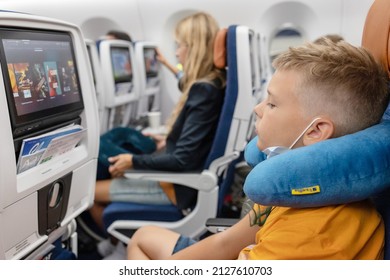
pixel 248 71
pixel 127 81
pixel 235 50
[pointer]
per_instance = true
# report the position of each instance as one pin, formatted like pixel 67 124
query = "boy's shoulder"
pixel 344 231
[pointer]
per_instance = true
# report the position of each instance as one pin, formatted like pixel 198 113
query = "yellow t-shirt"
pixel 350 231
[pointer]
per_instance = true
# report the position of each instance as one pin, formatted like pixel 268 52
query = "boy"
pixel 317 92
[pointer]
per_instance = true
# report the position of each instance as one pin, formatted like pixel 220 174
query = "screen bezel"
pixel 49 116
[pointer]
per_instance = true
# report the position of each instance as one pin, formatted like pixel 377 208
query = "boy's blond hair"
pixel 333 37
pixel 198 32
pixel 340 81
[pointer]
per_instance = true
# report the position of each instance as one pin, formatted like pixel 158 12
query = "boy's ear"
pixel 321 129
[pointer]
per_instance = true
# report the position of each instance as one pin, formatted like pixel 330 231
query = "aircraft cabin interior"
pixel 66 88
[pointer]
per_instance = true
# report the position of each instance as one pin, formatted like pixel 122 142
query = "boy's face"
pixel 280 116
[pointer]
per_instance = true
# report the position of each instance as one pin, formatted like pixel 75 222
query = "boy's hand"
pixel 119 164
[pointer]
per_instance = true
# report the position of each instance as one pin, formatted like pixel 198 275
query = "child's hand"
pixel 119 164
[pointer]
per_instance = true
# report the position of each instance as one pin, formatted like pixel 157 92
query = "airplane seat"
pixel 97 43
pixel 148 68
pixel 264 68
pixel 98 80
pixel 256 53
pixel 50 142
pixel 121 83
pixel 381 202
pixel 377 41
pixel 234 128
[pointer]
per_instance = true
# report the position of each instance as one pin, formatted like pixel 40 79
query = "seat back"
pixel 234 128
pixel 376 38
pixel 120 81
pixel 148 68
pixel 97 76
pixel 235 123
pixel 264 67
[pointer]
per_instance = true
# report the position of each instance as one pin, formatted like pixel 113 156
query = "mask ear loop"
pixel 303 132
pixel 260 217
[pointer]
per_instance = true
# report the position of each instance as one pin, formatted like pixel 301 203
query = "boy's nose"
pixel 259 109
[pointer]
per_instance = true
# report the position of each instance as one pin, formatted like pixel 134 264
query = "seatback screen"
pixel 151 62
pixel 121 65
pixel 40 75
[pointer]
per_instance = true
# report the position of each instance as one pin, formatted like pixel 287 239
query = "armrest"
pixel 216 225
pixel 204 181
pixel 220 164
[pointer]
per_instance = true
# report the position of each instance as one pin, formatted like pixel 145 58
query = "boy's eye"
pixel 271 106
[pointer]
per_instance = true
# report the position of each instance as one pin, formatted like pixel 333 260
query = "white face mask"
pixel 277 150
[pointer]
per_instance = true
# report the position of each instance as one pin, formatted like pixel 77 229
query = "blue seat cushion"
pixel 140 212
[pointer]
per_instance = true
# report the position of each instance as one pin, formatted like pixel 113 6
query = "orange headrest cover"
pixel 220 49
pixel 376 32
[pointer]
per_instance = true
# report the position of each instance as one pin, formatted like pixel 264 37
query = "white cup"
pixel 154 119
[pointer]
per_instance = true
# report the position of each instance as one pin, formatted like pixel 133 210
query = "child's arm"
pixel 224 245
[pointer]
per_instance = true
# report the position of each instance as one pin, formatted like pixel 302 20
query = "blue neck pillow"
pixel 336 171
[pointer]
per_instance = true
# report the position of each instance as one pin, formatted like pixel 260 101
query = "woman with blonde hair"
pixel 191 126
